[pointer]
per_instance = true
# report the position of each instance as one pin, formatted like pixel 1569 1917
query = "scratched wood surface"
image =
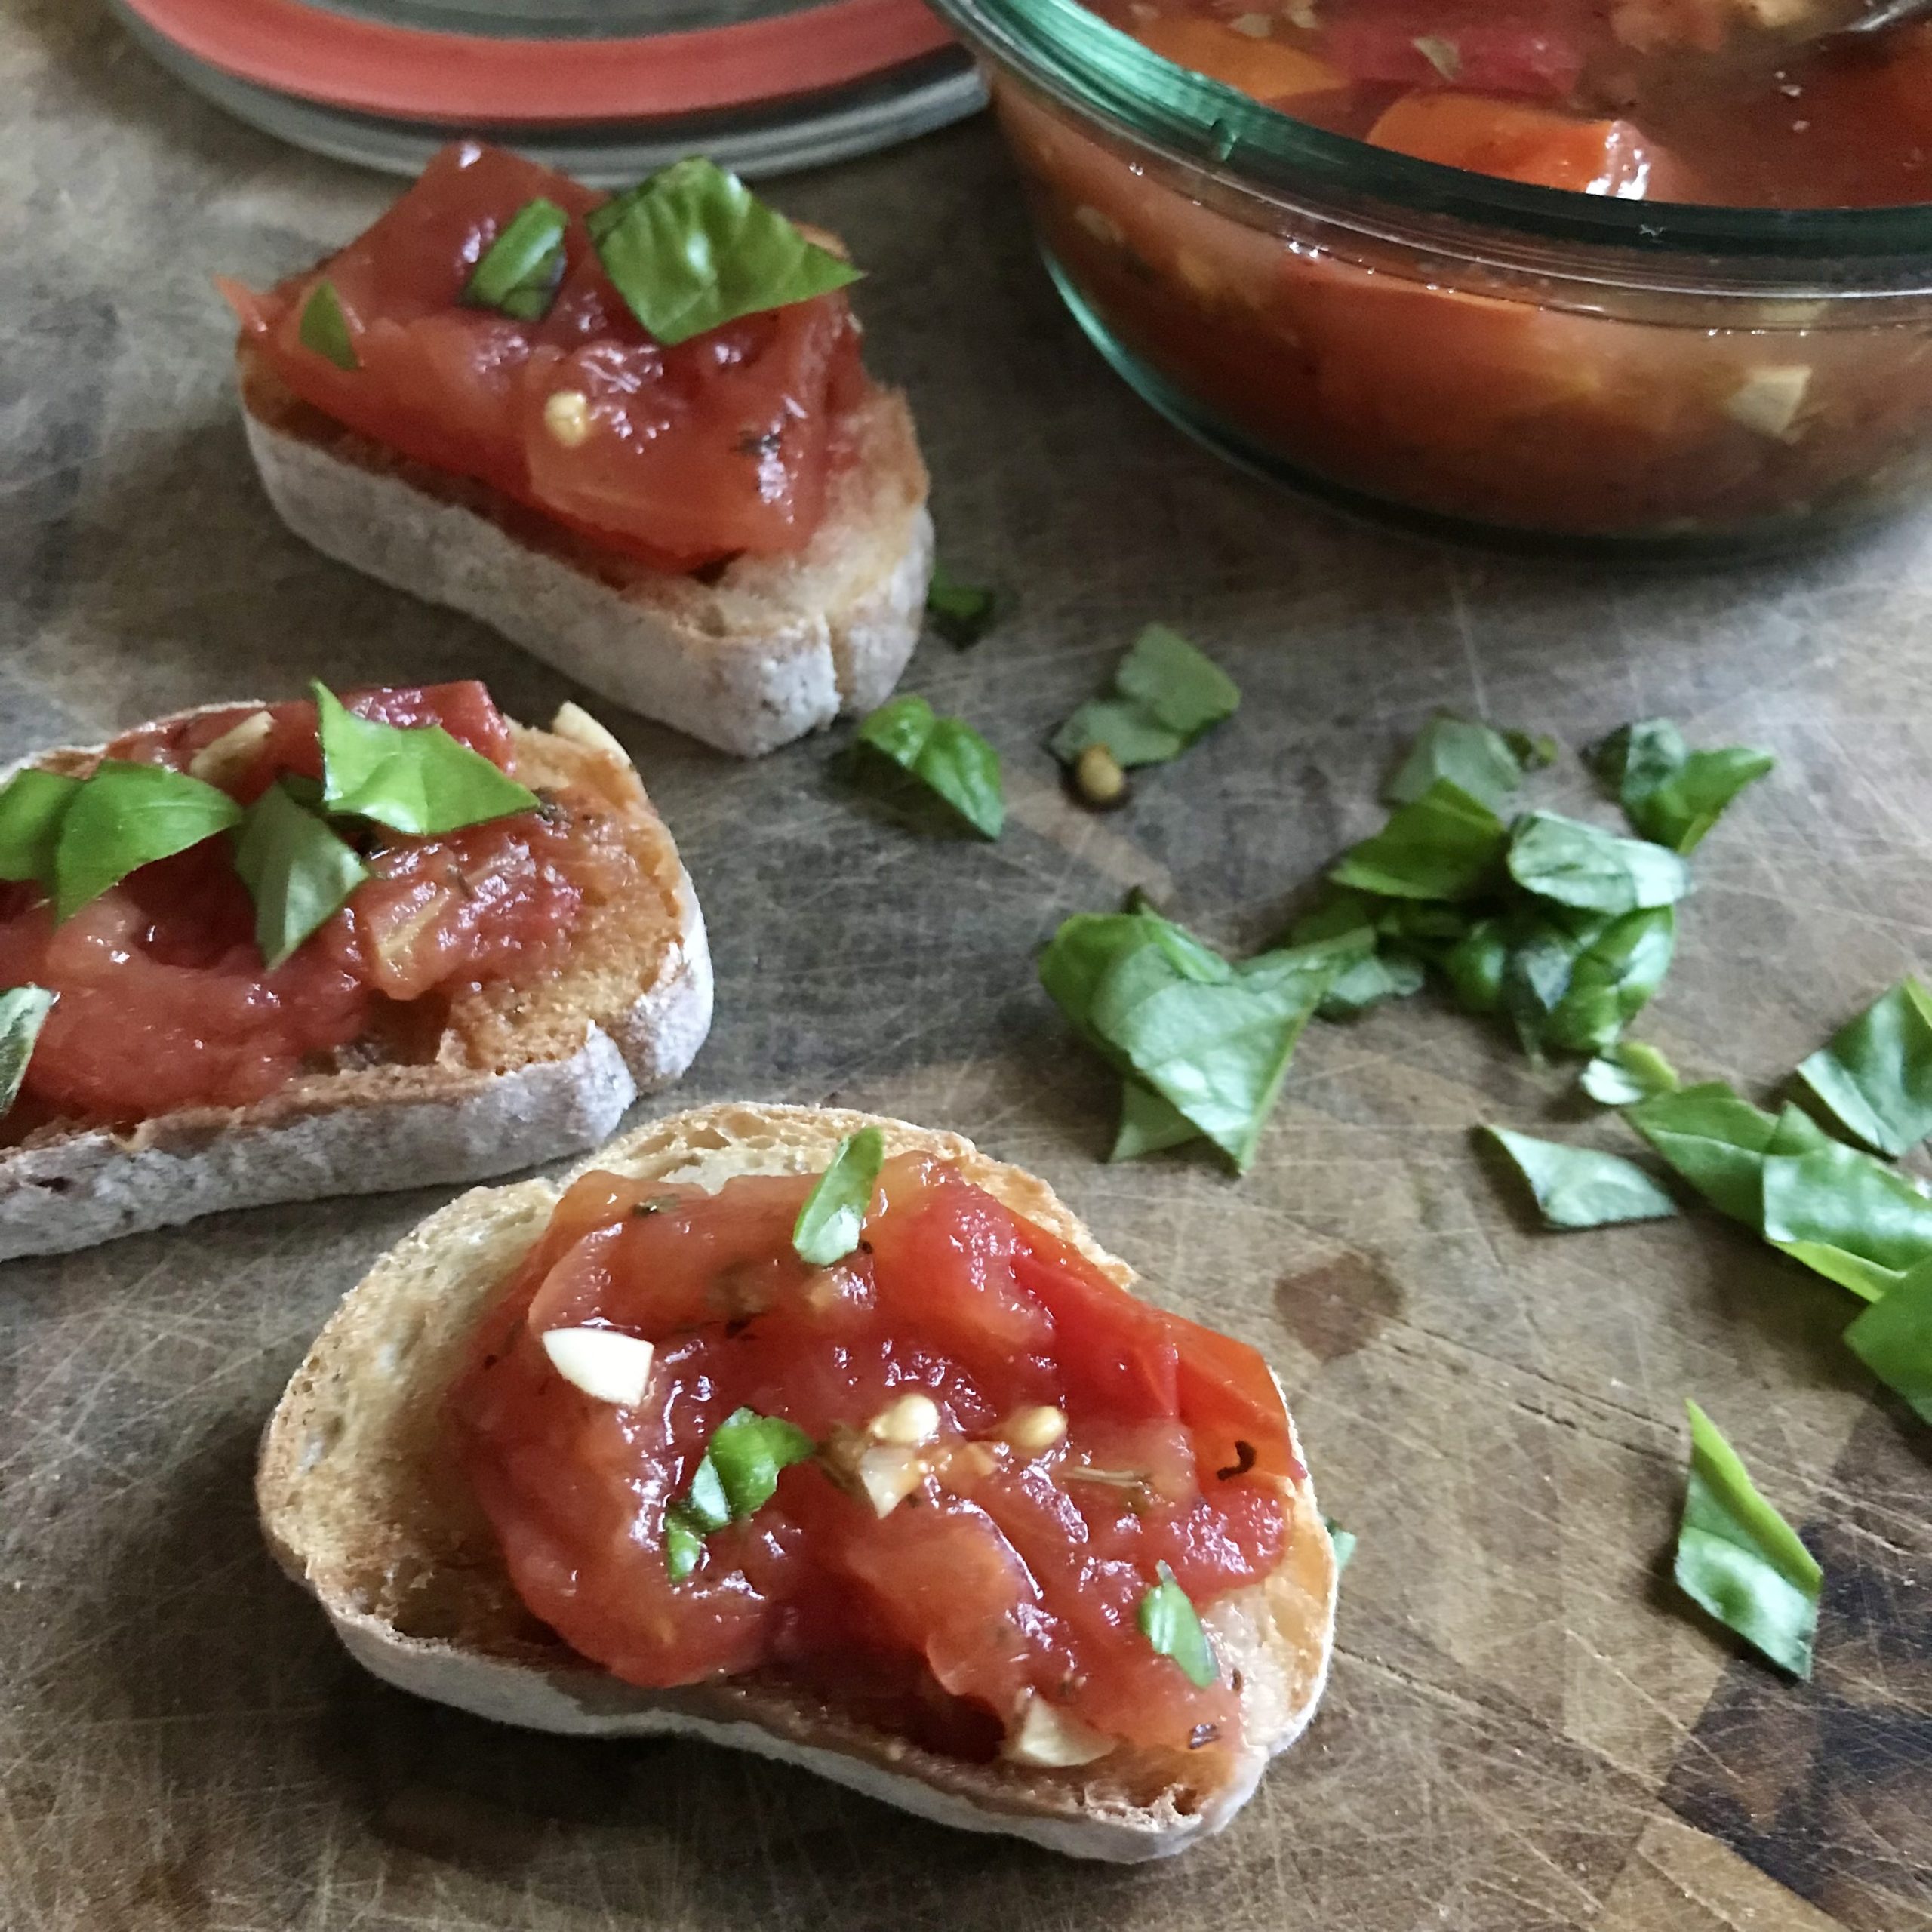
pixel 1525 1729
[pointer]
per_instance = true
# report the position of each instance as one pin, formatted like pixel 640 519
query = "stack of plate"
pixel 605 89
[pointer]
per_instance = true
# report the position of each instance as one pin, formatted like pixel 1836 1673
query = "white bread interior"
pixel 747 658
pixel 362 1502
pixel 520 1073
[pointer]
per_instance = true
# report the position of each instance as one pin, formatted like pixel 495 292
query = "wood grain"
pixel 1527 1730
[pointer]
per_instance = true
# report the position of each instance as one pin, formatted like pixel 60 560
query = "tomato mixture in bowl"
pixel 1649 273
pixel 997 1456
pixel 165 998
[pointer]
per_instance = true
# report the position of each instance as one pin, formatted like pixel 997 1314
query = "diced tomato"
pixel 1521 144
pixel 1421 49
pixel 1270 70
pixel 1003 1572
pixel 718 445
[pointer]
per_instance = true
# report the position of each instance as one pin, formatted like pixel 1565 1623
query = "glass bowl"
pixel 1472 355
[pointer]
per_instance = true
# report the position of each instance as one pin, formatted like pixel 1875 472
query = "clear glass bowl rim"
pixel 1098 70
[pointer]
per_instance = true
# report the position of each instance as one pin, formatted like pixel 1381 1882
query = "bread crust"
pixel 519 1076
pixel 361 1502
pixel 766 650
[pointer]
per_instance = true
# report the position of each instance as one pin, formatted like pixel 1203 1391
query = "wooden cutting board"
pixel 1527 1729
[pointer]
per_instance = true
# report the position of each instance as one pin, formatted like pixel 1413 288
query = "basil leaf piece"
pixel 33 804
pixel 1578 1187
pixel 1892 1337
pixel 1718 1142
pixel 1476 759
pixel 126 816
pixel 1670 793
pixel 1628 1072
pixel 1574 981
pixel 1534 750
pixel 324 327
pixel 1168 1621
pixel 962 613
pixel 692 248
pixel 1875 1074
pixel 521 270
pixel 945 755
pixel 736 1478
pixel 23 1011
pixel 298 872
pixel 1370 980
pixel 1342 1541
pixel 1166 694
pixel 1581 865
pixel 414 779
pixel 1213 1040
pixel 1123 727
pixel 1148 1124
pixel 1849 1217
pixel 829 1223
pixel 1476 964
pixel 1740 1560
pixel 1445 845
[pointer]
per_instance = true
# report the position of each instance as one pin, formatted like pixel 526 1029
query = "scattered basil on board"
pixel 297 871
pixel 1342 1541
pixel 1851 1218
pixel 1166 694
pixel 1211 1039
pixel 1474 757
pixel 1377 976
pixel 962 613
pixel 32 805
pixel 1718 1142
pixel 829 1223
pixel 1445 845
pixel 1670 793
pixel 1168 1621
pixel 1580 1187
pixel 735 1477
pixel 1740 1560
pixel 945 755
pixel 23 1011
pixel 324 328
pixel 692 248
pixel 126 816
pixel 1149 1123
pixel 414 779
pixel 1875 1074
pixel 1627 1072
pixel 1573 980
pixel 1892 1337
pixel 1581 865
pixel 520 271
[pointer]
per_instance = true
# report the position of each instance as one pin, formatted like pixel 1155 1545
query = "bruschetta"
pixel 825 1436
pixel 261 952
pixel 634 434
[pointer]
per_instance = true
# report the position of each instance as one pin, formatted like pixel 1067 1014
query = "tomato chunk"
pixel 1006 1559
pixel 1268 69
pixel 681 455
pixel 1521 144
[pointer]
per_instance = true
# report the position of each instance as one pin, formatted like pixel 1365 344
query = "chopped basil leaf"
pixel 1476 964
pixel 692 248
pixel 1445 845
pixel 1719 1142
pixel 1581 865
pixel 1534 750
pixel 1213 1040
pixel 414 779
pixel 23 1011
pixel 1166 694
pixel 1856 1221
pixel 298 872
pixel 126 816
pixel 1148 1124
pixel 1670 793
pixel 736 1478
pixel 1472 757
pixel 1892 1337
pixel 1740 1560
pixel 1573 982
pixel 1628 1072
pixel 32 806
pixel 1370 979
pixel 829 1223
pixel 945 755
pixel 1168 1622
pixel 1875 1074
pixel 1342 1541
pixel 1578 1187
pixel 521 269
pixel 962 613
pixel 325 328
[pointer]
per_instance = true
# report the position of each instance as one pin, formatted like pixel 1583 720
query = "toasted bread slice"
pixel 362 1502
pixel 521 1073
pixel 747 658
